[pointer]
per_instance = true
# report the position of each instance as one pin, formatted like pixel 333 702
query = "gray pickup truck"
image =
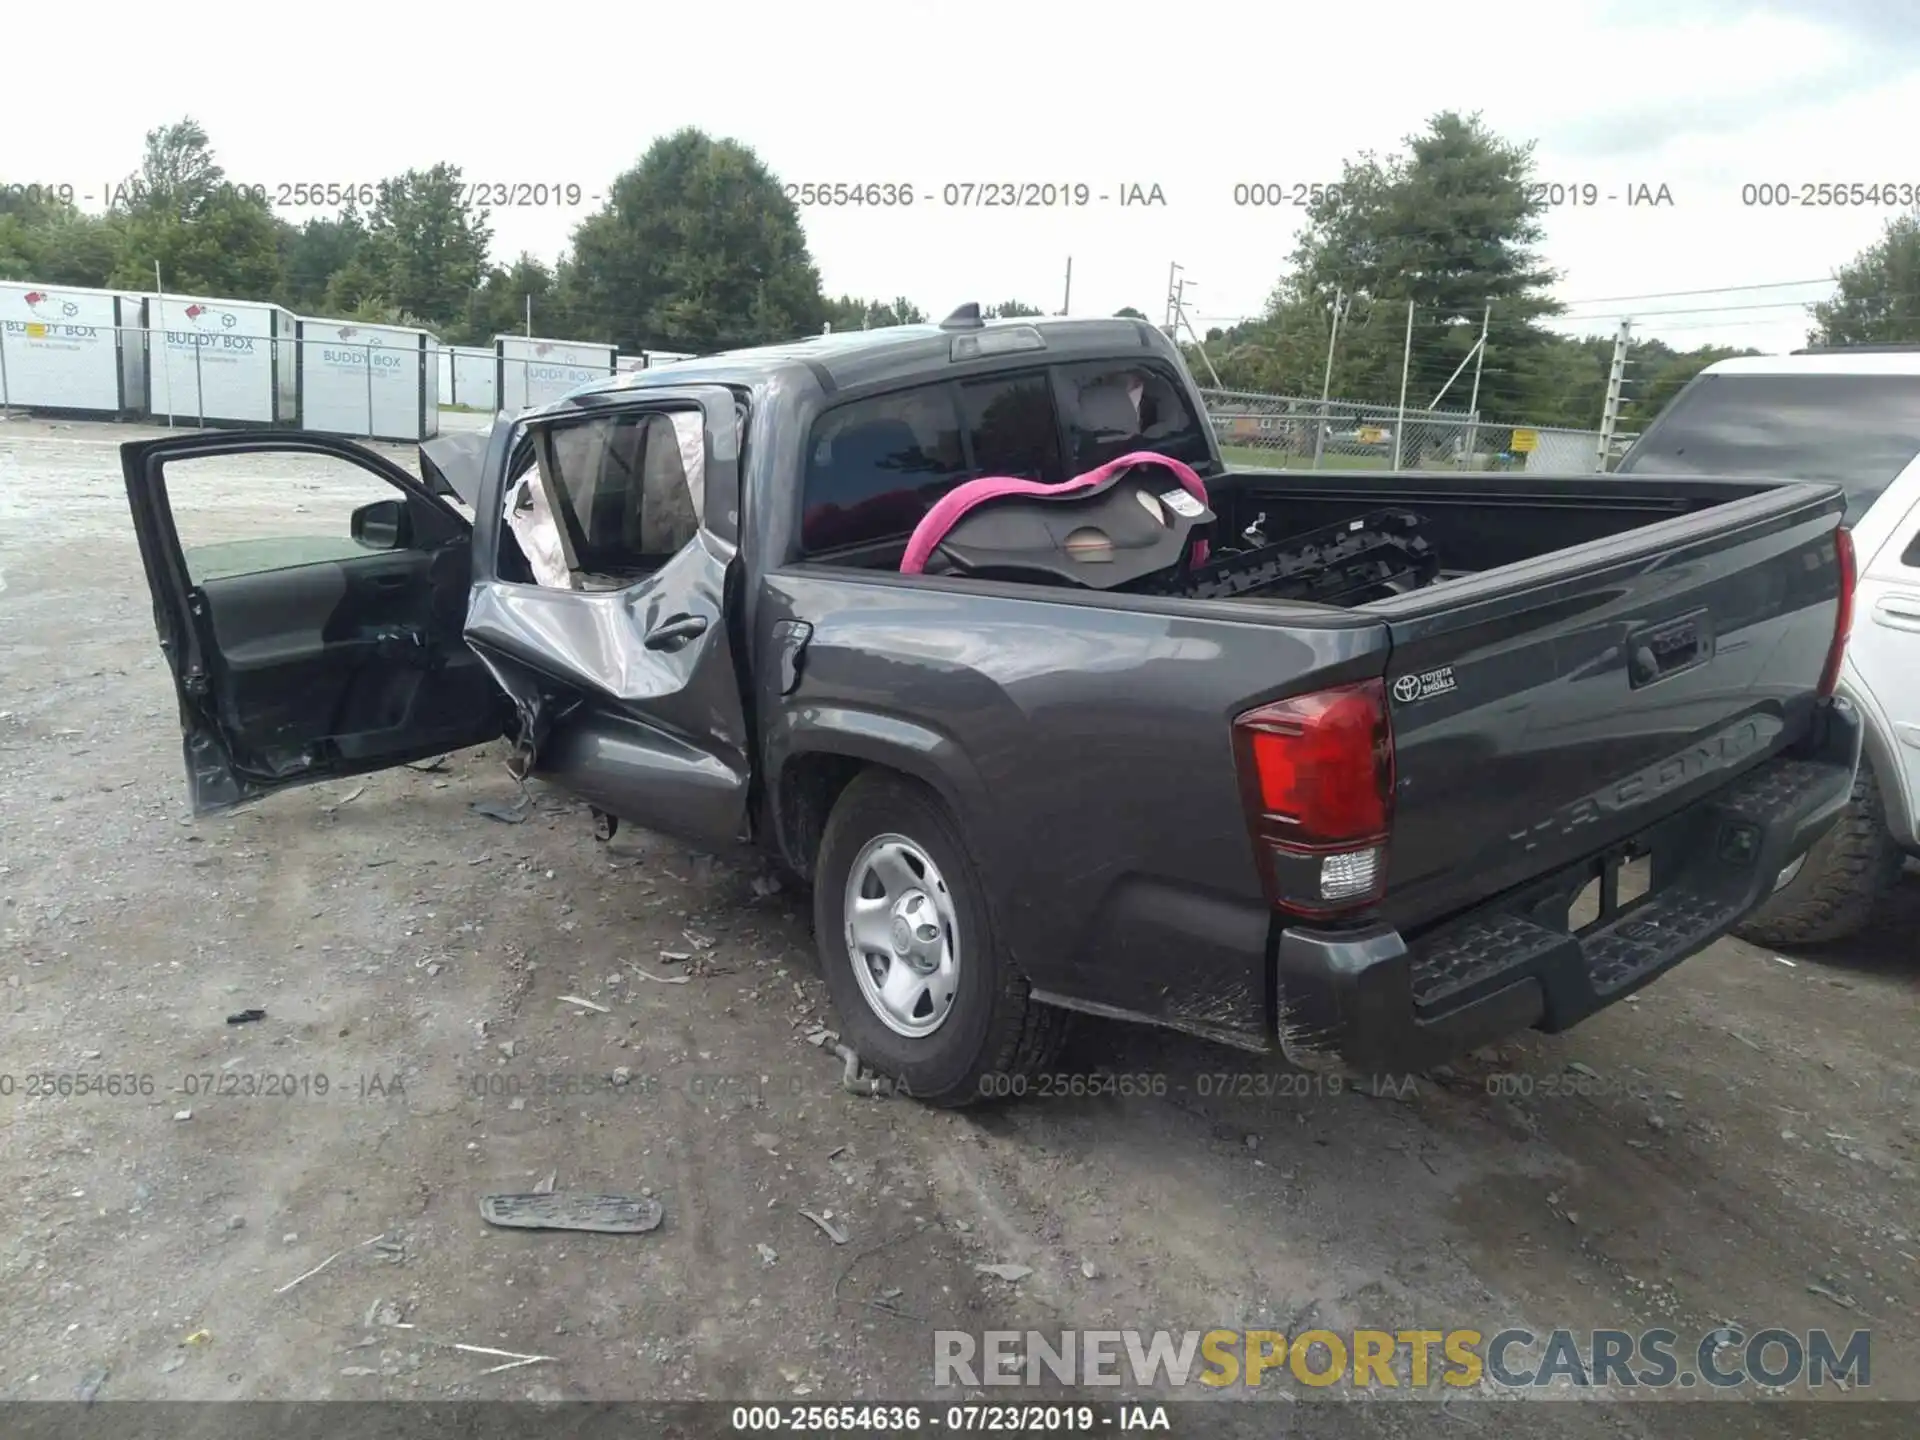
pixel 1367 768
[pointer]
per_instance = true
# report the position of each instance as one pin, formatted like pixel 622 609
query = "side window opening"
pixel 608 500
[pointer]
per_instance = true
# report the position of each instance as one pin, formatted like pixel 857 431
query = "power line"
pixel 1717 290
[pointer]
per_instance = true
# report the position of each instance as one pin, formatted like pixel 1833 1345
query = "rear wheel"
pixel 925 991
pixel 1833 891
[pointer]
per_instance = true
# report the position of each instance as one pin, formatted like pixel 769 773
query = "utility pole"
pixel 1172 325
pixel 1473 401
pixel 1406 364
pixel 1326 380
pixel 1616 379
pixel 1066 300
pixel 1179 319
pixel 529 315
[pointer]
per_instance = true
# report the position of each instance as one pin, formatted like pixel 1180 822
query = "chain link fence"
pixel 1293 432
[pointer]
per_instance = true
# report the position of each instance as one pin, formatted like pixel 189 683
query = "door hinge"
pixel 792 637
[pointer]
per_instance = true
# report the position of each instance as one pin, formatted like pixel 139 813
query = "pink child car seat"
pixel 948 510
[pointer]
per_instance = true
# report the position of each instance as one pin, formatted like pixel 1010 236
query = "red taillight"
pixel 1316 773
pixel 1843 618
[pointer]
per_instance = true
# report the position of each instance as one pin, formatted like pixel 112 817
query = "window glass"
pixel 876 466
pixel 1013 428
pixel 248 513
pixel 1113 409
pixel 1855 431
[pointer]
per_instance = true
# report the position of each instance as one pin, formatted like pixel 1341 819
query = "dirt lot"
pixel 1736 1146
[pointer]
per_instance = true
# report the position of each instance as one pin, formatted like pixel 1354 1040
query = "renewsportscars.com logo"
pixel 1512 1359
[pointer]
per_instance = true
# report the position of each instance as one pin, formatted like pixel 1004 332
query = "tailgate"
pixel 1547 710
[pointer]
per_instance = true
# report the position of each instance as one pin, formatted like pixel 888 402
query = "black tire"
pixel 995 1035
pixel 1848 872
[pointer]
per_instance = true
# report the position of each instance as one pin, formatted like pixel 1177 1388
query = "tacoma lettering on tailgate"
pixel 1738 742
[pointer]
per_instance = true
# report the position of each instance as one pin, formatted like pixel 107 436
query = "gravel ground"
pixel 1737 1145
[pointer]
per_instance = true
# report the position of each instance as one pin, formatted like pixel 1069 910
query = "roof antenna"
pixel 967 317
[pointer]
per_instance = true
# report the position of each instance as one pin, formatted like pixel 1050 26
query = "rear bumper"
pixel 1387 1003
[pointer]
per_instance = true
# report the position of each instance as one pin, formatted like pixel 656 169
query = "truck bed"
pixel 1602 654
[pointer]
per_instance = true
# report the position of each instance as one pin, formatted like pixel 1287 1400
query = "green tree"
pixel 1448 225
pixel 1127 312
pixel 1878 300
pixel 1011 310
pixel 425 250
pixel 208 237
pixel 500 305
pixel 850 312
pixel 48 239
pixel 697 248
pixel 313 253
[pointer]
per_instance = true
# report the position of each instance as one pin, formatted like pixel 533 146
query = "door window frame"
pixel 724 456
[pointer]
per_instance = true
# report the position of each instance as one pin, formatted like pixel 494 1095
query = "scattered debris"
pixel 1009 1273
pixel 428 767
pixel 183 1114
pixel 514 1358
pixel 1790 964
pixel 768 1255
pixel 326 1262
pixel 199 1337
pixel 765 885
pixel 700 942
pixel 659 979
pixel 344 800
pixel 822 1038
pixel 358 1370
pixel 674 957
pixel 622 1074
pixel 852 1081
pixel 90 1386
pixel 599 1214
pixel 1587 1070
pixel 1088 1269
pixel 545 1187
pixel 500 810
pixel 836 1152
pixel 832 1231
pixel 589 1004
pixel 1845 1302
pixel 246 1017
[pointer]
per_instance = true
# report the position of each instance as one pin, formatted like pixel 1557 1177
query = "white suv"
pixel 1851 417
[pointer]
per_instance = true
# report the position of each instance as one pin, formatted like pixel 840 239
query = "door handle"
pixel 673 633
pixel 1898 612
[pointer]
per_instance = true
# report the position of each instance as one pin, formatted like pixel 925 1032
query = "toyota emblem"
pixel 1406 688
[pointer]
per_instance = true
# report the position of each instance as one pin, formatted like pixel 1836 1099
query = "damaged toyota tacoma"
pixel 972 628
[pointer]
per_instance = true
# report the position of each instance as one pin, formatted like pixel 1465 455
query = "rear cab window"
pixel 1855 431
pixel 876 466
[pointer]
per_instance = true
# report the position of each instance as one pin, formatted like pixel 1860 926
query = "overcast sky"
pixel 1701 96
